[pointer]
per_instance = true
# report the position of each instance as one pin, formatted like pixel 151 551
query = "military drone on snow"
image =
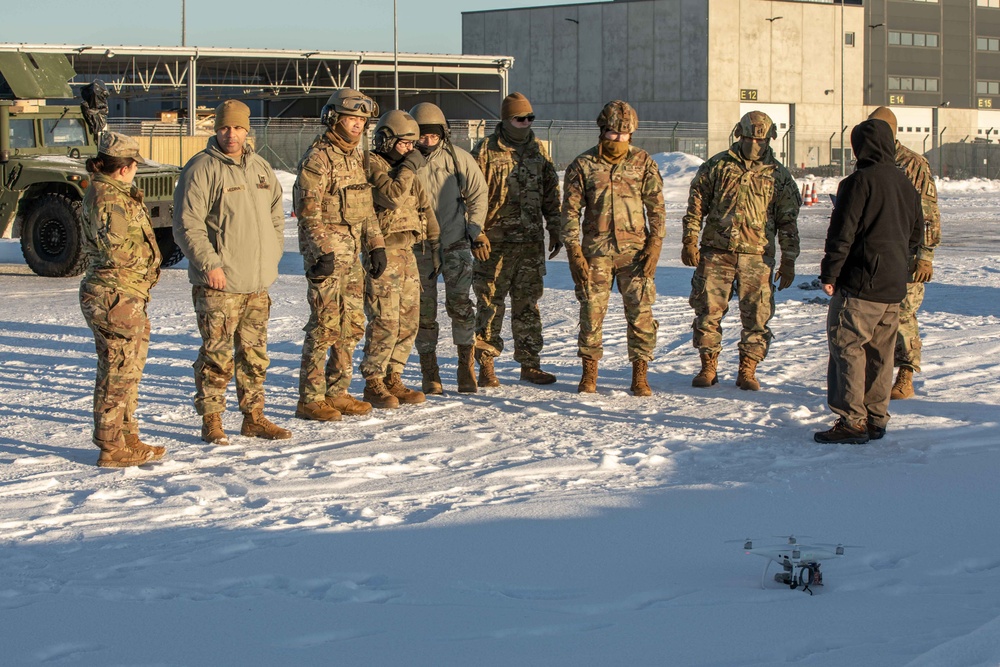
pixel 800 563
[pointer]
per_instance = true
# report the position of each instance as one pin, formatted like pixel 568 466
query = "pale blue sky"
pixel 433 26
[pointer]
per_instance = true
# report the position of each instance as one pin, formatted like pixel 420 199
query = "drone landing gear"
pixel 808 575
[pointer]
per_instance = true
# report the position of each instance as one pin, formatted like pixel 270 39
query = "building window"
pixel 927 40
pixel 933 1
pixel 848 39
pixel 916 84
pixel 987 44
pixel 992 4
pixel 987 87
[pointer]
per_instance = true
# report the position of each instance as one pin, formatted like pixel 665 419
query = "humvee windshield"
pixel 64 132
pixel 22 133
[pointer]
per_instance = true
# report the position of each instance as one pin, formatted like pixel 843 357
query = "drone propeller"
pixel 839 547
pixel 792 539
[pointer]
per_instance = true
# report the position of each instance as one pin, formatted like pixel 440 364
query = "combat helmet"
pixel 393 126
pixel 428 114
pixel 755 125
pixel 347 102
pixel 618 116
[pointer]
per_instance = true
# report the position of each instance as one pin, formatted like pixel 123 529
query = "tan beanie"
pixel 232 113
pixel 513 105
pixel 886 114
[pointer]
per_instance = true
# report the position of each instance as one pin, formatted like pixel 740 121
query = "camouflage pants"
pixel 392 306
pixel 638 295
pixel 514 269
pixel 711 289
pixel 456 268
pixel 336 324
pixel 234 339
pixel 908 345
pixel 121 334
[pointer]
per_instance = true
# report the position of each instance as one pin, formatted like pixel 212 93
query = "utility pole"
pixel 183 22
pixel 395 54
pixel 843 36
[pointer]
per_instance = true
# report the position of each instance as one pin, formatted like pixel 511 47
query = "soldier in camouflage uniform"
pixel 392 301
pixel 908 345
pixel 124 264
pixel 333 202
pixel 523 188
pixel 230 224
pixel 457 190
pixel 743 197
pixel 619 190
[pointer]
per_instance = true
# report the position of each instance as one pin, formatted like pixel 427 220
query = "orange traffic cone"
pixel 807 199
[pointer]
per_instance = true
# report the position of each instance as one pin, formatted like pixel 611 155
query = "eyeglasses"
pixel 529 118
pixel 404 143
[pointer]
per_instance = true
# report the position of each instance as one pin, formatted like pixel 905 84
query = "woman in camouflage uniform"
pixel 124 264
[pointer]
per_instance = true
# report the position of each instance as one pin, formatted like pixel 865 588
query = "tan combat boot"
pixel 466 370
pixel 487 374
pixel 119 455
pixel 536 375
pixel 394 383
pixel 318 410
pixel 211 429
pixel 348 405
pixel 377 394
pixel 256 425
pixel 708 375
pixel 588 383
pixel 640 386
pixel 132 441
pixel 431 383
pixel 746 378
pixel 903 387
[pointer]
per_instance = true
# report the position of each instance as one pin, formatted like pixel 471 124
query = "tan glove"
pixel 786 273
pixel 481 248
pixel 578 267
pixel 923 271
pixel 689 252
pixel 554 244
pixel 650 255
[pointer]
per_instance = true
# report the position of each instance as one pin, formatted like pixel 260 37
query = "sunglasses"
pixel 530 118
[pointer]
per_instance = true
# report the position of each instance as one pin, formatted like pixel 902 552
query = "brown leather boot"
pixel 708 375
pixel 903 387
pixel 256 425
pixel 536 375
pixel 588 383
pixel 640 386
pixel 378 395
pixel 394 383
pixel 132 441
pixel 466 370
pixel 348 405
pixel 118 455
pixel 487 374
pixel 746 378
pixel 431 383
pixel 320 411
pixel 211 429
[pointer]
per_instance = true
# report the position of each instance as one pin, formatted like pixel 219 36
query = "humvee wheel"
pixel 52 237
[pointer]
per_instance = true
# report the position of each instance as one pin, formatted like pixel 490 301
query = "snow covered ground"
pixel 521 525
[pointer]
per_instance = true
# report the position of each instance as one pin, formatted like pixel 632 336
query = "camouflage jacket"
pixel 623 202
pixel 404 211
pixel 457 191
pixel 523 188
pixel 118 238
pixel 918 171
pixel 743 207
pixel 333 201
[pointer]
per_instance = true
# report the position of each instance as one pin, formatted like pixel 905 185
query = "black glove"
pixel 414 160
pixel 436 258
pixel 323 268
pixel 378 263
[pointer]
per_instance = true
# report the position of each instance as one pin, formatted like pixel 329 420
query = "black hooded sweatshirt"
pixel 877 222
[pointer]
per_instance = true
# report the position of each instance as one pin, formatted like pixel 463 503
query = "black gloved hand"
pixel 414 160
pixel 378 263
pixel 436 259
pixel 323 268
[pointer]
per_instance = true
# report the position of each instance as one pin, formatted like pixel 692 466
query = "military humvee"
pixel 43 151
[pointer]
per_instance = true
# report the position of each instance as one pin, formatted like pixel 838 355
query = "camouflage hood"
pixel 873 143
pixel 766 158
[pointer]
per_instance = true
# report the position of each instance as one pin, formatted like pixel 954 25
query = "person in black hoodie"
pixel 875 229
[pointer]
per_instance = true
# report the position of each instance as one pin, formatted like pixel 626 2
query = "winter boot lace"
pixel 466 370
pixel 377 394
pixel 318 410
pixel 903 387
pixel 431 383
pixel 536 375
pixel 394 383
pixel 708 375
pixel 348 405
pixel 132 441
pixel 746 378
pixel 487 374
pixel 843 432
pixel 588 383
pixel 256 425
pixel 120 455
pixel 640 386
pixel 211 429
